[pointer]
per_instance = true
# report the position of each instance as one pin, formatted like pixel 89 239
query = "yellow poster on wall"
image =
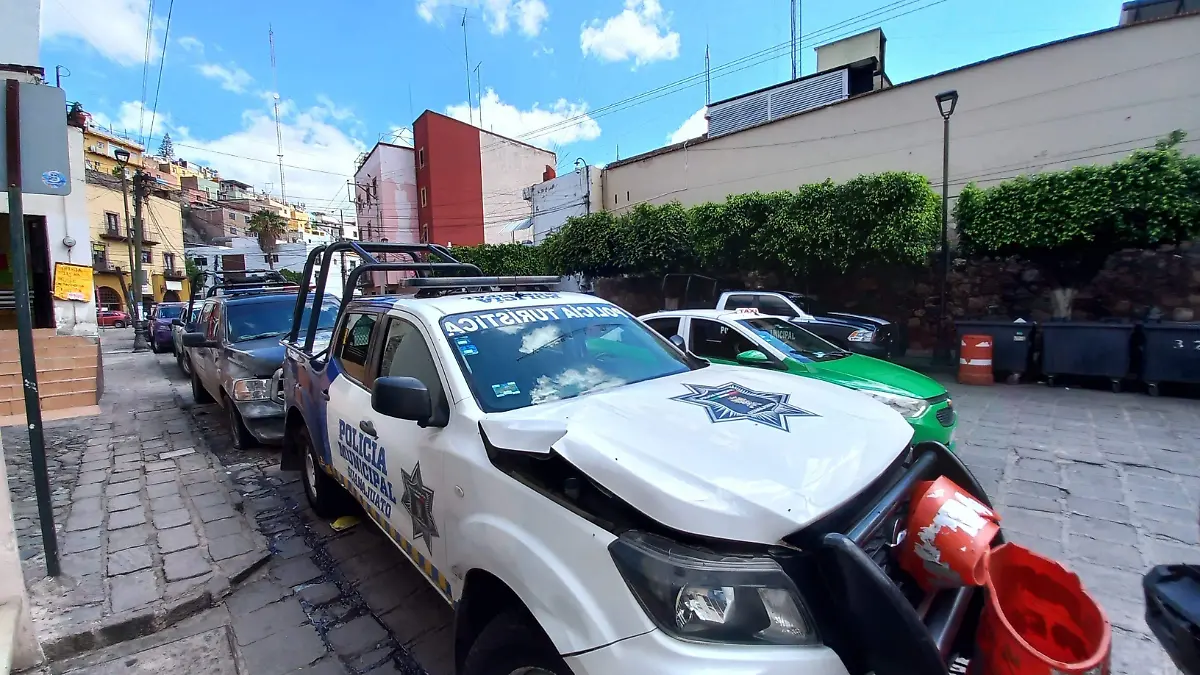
pixel 73 282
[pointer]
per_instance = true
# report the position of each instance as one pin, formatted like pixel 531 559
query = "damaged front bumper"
pixel 870 611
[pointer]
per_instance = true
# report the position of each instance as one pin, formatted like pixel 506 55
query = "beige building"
pixel 112 247
pixel 1091 99
pixel 100 146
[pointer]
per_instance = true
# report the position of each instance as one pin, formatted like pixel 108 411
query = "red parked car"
pixel 112 317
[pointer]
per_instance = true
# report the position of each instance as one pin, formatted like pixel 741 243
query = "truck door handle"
pixel 368 428
pixel 325 394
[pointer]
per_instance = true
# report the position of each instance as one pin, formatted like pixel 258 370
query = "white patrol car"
pixel 593 500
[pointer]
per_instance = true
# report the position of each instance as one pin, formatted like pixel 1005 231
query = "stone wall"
pixel 1133 284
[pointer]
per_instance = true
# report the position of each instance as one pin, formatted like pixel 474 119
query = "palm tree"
pixel 269 227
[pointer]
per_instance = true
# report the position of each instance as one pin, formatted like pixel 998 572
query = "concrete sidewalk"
pixel 149 530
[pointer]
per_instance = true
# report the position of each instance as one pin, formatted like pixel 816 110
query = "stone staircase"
pixel 69 374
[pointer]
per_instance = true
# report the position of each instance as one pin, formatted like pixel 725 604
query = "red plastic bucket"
pixel 949 534
pixel 1038 620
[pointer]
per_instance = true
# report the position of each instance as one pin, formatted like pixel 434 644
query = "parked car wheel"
pixel 154 345
pixel 199 393
pixel 184 363
pixel 242 438
pixel 512 643
pixel 327 498
pixel 118 324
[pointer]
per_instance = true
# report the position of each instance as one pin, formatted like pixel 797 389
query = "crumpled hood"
pixel 727 452
pixel 261 358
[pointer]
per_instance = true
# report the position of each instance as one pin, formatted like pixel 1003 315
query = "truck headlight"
pixel 699 595
pixel 861 336
pixel 249 389
pixel 905 405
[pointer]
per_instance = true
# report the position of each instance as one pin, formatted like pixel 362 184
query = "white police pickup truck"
pixel 592 500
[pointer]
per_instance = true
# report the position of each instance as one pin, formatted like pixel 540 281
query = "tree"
pixel 166 149
pixel 268 227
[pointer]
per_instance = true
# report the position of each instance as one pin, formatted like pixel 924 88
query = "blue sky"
pixel 351 73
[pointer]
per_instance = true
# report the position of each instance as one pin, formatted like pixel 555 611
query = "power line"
pixel 146 70
pixel 747 61
pixel 161 62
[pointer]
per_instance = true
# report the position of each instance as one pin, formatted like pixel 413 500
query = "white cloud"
pixel 692 127
pixel 114 28
pixel 189 43
pixel 508 120
pixel 529 15
pixel 318 156
pixel 231 77
pixel 129 118
pixel 640 32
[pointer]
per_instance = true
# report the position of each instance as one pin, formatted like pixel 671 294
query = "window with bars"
pixel 112 222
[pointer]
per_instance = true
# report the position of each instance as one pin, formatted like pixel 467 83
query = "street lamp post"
pixel 946 101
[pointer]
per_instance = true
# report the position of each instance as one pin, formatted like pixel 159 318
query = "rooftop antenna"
pixel 479 91
pixel 278 130
pixel 707 78
pixel 467 64
pixel 795 30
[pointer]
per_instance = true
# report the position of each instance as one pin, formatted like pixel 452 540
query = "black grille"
pixel 946 416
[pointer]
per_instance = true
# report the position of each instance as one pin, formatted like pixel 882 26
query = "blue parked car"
pixel 160 324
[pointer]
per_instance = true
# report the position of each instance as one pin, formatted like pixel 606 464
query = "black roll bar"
pixel 365 250
pixel 270 278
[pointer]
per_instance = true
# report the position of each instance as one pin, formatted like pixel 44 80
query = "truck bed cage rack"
pixel 423 259
pixel 248 281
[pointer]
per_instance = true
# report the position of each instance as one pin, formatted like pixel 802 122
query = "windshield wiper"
pixel 259 336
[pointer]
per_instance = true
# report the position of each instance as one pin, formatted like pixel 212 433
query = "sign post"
pixel 46 111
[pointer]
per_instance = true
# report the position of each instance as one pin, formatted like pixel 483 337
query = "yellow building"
pixel 99 147
pixel 162 244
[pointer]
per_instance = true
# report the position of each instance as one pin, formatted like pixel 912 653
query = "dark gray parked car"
pixel 236 359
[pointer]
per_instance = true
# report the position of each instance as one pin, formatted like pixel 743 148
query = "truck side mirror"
pixel 678 341
pixel 404 398
pixel 197 340
pixel 176 322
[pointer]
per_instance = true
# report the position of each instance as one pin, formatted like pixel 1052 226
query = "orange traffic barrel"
pixel 975 360
pixel 948 537
pixel 1038 620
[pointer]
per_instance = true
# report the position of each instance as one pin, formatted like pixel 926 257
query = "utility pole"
pixel 467 65
pixel 128 241
pixel 139 281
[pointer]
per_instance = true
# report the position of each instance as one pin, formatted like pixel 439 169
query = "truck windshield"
pixel 273 318
pixel 513 358
pixel 792 340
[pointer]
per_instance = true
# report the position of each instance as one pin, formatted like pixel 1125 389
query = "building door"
pixel 41 286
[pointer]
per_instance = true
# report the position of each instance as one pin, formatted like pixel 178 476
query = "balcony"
pixel 105 266
pixel 111 234
pixel 174 274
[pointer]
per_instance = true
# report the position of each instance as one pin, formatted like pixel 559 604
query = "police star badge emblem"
pixel 418 501
pixel 731 402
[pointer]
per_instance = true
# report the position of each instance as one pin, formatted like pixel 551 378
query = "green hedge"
pixel 889 217
pixel 1080 216
pixel 503 259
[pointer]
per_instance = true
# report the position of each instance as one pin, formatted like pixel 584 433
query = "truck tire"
pixel 327 498
pixel 510 645
pixel 199 394
pixel 241 436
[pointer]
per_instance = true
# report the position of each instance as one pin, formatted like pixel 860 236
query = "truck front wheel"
pixel 513 644
pixel 327 498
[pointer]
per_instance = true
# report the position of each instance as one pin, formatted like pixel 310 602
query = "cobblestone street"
pixel 1107 483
